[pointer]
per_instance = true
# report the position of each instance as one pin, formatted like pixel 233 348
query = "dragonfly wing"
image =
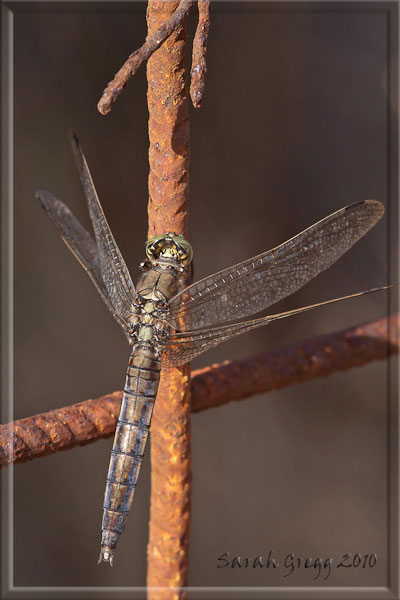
pixel 79 241
pixel 117 280
pixel 255 284
pixel 185 346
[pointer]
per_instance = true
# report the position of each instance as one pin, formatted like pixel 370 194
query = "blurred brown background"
pixel 294 126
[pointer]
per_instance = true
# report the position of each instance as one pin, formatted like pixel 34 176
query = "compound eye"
pixel 185 251
pixel 149 251
pixel 153 246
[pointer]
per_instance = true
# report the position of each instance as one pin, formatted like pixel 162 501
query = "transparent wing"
pixel 116 278
pixel 79 241
pixel 185 346
pixel 255 284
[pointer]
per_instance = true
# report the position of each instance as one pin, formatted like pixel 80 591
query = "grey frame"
pixel 8 591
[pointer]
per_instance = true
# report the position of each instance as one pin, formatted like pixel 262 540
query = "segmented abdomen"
pixel 133 425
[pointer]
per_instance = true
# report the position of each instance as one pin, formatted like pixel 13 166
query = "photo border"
pixel 8 590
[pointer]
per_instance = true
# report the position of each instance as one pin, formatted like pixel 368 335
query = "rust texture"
pixel 167 101
pixel 213 386
pixel 137 58
pixel 170 486
pixel 199 65
pixel 154 42
pixel 59 429
pixel 168 127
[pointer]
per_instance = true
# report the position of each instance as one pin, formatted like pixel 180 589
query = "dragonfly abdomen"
pixel 141 385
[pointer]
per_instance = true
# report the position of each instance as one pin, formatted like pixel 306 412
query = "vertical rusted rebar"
pixel 168 190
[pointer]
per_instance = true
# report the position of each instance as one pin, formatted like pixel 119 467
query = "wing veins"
pixel 118 283
pixel 229 295
pixel 183 347
pixel 80 243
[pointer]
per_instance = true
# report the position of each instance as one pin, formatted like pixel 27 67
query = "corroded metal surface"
pixel 153 42
pixel 137 58
pixel 59 429
pixel 168 211
pixel 212 386
pixel 170 485
pixel 199 65
pixel 168 127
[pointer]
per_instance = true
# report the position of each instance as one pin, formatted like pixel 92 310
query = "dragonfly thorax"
pixel 147 323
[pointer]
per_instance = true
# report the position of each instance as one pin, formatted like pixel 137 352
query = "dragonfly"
pixel 168 324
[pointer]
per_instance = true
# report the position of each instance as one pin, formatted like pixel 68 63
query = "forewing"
pixel 78 240
pixel 185 346
pixel 255 284
pixel 115 274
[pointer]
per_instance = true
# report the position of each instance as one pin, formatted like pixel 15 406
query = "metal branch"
pixel 199 66
pixel 137 58
pixel 210 387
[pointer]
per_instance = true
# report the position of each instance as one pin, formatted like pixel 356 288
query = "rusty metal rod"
pixel 137 58
pixel 213 386
pixel 60 429
pixel 167 100
pixel 199 65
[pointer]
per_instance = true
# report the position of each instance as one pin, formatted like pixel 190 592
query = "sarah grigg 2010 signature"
pixel 291 563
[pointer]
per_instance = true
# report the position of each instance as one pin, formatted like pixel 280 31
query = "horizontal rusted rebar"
pixel 199 65
pixel 137 58
pixel 302 361
pixel 213 386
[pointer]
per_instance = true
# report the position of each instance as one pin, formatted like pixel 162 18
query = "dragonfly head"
pixel 170 248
